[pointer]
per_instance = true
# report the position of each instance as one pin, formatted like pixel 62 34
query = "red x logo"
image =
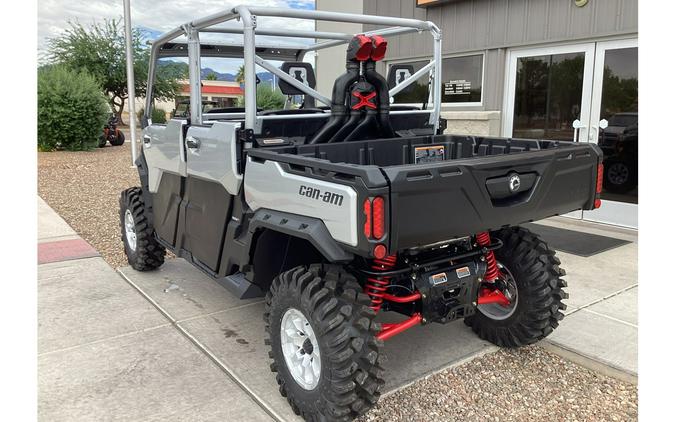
pixel 364 100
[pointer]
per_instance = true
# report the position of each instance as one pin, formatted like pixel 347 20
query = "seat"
pixel 303 72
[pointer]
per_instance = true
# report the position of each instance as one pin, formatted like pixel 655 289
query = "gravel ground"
pixel 528 384
pixel 84 188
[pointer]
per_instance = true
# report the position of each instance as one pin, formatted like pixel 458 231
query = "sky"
pixel 53 17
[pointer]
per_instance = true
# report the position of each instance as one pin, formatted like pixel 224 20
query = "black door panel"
pixel 165 203
pixel 207 209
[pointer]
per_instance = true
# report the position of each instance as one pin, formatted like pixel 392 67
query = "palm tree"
pixel 239 77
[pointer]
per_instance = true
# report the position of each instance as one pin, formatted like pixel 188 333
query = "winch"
pixel 450 293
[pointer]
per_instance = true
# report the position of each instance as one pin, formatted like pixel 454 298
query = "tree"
pixel 266 98
pixel 211 77
pixel 239 77
pixel 100 50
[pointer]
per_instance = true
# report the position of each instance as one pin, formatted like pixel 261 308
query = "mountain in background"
pixel 179 70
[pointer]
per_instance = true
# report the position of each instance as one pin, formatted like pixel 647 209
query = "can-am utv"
pixel 338 213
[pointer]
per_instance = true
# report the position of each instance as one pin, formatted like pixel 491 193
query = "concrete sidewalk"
pixel 173 344
pixel 601 317
pixel 105 353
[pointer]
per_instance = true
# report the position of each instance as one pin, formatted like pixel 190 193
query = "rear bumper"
pixel 440 201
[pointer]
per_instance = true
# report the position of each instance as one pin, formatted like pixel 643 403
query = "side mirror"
pixel 602 124
pixel 576 124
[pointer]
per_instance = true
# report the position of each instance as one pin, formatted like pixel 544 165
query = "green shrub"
pixel 158 115
pixel 71 110
pixel 266 98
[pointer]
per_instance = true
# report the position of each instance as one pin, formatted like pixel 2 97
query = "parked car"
pixel 335 215
pixel 619 143
pixel 183 108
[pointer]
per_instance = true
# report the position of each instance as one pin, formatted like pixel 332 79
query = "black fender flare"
pixel 310 229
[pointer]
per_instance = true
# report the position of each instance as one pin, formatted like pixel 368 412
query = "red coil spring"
pixel 492 272
pixel 376 286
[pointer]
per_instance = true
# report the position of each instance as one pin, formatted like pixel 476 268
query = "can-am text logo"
pixel 325 196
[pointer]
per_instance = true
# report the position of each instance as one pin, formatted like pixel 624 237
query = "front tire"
pixel 143 251
pixel 342 377
pixel 535 312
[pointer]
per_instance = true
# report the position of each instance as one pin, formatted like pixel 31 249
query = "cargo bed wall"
pixel 398 151
pixel 443 200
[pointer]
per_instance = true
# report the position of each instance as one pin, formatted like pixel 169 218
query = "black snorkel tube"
pixel 359 49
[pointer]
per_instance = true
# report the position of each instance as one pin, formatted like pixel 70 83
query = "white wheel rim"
pixel 301 349
pixel 130 230
pixel 496 311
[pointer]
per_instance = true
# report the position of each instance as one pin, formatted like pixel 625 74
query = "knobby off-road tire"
pixel 119 139
pixel 144 253
pixel 540 291
pixel 338 311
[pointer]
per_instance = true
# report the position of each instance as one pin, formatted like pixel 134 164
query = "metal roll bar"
pixel 248 18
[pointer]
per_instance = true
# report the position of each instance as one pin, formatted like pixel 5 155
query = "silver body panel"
pixel 162 147
pixel 268 186
pixel 215 158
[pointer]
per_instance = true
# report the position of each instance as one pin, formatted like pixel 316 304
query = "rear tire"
pixel 536 272
pixel 341 323
pixel 143 251
pixel 119 139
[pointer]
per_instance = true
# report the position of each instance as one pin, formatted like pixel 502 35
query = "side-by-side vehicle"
pixel 340 212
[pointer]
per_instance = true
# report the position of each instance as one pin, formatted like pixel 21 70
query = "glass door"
pixel 614 127
pixel 547 90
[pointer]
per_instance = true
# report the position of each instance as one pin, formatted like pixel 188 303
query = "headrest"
pixel 399 73
pixel 301 71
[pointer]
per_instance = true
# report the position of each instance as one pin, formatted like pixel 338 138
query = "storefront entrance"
pixel 586 93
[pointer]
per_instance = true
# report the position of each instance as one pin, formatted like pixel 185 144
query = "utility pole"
pixel 131 89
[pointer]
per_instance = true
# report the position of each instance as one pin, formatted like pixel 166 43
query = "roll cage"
pixel 259 54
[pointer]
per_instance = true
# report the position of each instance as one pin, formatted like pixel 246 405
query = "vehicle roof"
pixel 230 50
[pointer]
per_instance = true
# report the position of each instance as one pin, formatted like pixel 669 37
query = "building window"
pixel 461 81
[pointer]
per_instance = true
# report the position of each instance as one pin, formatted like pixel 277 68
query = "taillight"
pixel 378 217
pixel 374 227
pixel 598 185
pixel 367 226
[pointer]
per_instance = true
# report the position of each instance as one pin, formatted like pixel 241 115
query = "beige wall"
pixel 478 123
pixel 330 62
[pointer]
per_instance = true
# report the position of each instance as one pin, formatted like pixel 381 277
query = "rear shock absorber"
pixel 492 272
pixel 377 286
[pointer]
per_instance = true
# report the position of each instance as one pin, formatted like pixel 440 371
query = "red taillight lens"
pixel 598 182
pixel 598 185
pixel 378 217
pixel 380 251
pixel 367 226
pixel 373 226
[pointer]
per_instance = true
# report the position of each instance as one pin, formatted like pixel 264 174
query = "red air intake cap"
pixel 379 47
pixel 359 48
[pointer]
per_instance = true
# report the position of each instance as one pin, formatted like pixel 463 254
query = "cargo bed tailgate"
pixel 437 201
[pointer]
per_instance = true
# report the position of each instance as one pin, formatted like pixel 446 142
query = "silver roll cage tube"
pixel 253 53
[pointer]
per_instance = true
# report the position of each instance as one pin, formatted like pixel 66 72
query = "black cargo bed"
pixel 466 191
